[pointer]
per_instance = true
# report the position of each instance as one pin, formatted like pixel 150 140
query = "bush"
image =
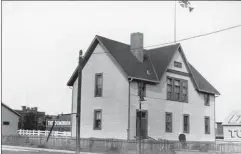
pixel 42 146
pixel 195 147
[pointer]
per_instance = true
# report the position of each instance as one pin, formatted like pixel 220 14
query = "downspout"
pixel 129 108
pixel 215 120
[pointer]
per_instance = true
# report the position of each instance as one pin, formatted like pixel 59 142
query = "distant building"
pixel 10 120
pixel 36 118
pixel 62 122
pixel 232 127
pixel 178 99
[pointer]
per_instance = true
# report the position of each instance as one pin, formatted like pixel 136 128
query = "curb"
pixel 43 149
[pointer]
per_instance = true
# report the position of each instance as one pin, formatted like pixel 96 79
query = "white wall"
pixel 157 105
pixel 232 133
pixel 12 118
pixel 74 108
pixel 114 102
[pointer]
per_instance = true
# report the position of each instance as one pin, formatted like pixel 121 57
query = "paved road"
pixel 27 150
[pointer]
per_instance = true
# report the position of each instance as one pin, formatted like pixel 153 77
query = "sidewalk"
pixel 19 148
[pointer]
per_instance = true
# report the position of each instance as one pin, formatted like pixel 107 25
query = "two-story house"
pixel 178 99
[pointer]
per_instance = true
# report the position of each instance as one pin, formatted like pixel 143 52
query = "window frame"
pixel 168 131
pixel 172 98
pixel 177 64
pixel 94 123
pixel 170 84
pixel 180 90
pixel 208 99
pixel 188 125
pixel 207 117
pixel 95 88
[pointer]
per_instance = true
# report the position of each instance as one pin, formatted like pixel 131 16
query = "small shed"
pixel 10 120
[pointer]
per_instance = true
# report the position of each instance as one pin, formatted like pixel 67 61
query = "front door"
pixel 141 123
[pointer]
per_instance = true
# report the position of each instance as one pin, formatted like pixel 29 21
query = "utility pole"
pixel 140 114
pixel 79 103
pixel 141 98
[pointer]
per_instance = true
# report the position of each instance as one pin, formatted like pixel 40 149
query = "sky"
pixel 41 42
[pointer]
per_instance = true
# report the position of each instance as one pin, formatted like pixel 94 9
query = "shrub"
pixel 42 146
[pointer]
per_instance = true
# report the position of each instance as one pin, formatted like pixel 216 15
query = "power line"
pixel 201 35
pixel 196 36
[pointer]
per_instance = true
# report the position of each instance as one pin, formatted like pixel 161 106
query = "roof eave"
pixel 11 109
pixel 152 81
pixel 75 73
pixel 205 91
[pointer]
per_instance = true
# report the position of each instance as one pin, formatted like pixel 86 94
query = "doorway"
pixel 142 116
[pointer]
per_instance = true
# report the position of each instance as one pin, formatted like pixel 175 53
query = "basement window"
pixel 6 123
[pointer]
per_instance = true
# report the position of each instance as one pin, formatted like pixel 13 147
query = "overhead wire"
pixel 188 38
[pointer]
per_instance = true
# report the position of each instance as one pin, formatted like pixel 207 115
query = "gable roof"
pixel 10 109
pixel 151 70
pixel 233 118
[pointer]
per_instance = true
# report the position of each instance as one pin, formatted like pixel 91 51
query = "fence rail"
pixel 122 146
pixel 43 133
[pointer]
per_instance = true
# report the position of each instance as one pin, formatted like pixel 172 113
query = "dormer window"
pixel 177 64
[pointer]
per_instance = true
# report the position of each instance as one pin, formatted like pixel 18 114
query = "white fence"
pixel 43 133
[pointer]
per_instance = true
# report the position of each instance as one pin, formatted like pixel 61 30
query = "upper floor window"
pixel 206 99
pixel 177 64
pixel 177 89
pixel 186 125
pixel 168 122
pixel 97 119
pixel 207 125
pixel 98 84
pixel 141 89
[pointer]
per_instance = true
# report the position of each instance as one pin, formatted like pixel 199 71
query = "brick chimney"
pixel 137 46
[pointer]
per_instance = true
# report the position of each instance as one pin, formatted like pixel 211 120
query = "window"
pixel 97 119
pixel 177 89
pixel 168 122
pixel 186 123
pixel 184 91
pixel 6 123
pixel 207 125
pixel 98 84
pixel 141 87
pixel 206 99
pixel 177 64
pixel 169 88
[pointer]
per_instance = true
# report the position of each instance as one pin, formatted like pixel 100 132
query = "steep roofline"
pixel 194 76
pixel 188 68
pixel 86 57
pixel 11 109
pixel 112 58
